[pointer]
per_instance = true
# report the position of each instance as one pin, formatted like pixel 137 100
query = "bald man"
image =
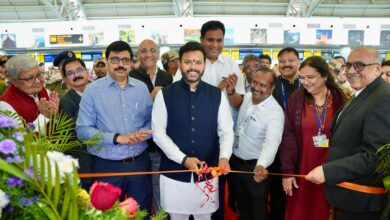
pixel 358 130
pixel 148 72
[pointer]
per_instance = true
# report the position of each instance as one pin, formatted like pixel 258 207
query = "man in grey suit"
pixel 358 130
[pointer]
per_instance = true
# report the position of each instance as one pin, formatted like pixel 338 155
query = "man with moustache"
pixel 251 64
pixel 148 72
pixel 357 132
pixel 118 108
pixel 191 124
pixel 257 138
pixel 75 76
pixel 285 85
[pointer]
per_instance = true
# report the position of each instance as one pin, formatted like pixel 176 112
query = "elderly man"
pixel 251 64
pixel 170 62
pixel 26 94
pixel 357 132
pixel 118 108
pixel 191 124
pixel 75 75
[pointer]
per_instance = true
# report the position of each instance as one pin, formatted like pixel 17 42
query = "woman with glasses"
pixel 305 141
pixel 26 94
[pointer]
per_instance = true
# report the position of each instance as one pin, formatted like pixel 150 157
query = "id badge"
pixel 321 141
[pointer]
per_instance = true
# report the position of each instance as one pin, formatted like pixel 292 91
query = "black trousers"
pixel 347 215
pixel 277 196
pixel 251 196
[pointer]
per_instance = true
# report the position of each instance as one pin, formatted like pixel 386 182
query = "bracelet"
pixel 184 160
pixel 115 139
pixel 232 93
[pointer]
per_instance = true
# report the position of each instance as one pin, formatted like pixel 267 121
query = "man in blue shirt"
pixel 118 108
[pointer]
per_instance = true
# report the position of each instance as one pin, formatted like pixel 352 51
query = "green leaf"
pixel 65 203
pixel 49 180
pixel 13 170
pixel 49 213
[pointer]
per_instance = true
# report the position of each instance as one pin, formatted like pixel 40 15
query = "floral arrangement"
pixel 38 181
pixel 383 168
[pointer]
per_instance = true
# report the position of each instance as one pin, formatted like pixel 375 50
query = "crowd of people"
pixel 321 119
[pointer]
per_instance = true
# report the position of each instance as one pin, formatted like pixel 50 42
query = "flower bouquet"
pixel 38 181
pixel 383 168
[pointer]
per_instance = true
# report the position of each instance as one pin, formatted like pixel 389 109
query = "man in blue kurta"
pixel 192 124
pixel 118 108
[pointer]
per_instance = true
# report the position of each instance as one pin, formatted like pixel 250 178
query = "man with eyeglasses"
pixel 118 109
pixel 26 95
pixel 251 64
pixel 257 138
pixel 75 75
pixel 357 132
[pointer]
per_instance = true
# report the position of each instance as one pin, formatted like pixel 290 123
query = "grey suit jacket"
pixel 356 135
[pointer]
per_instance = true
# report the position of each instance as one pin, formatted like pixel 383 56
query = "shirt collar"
pixel 219 59
pixel 110 81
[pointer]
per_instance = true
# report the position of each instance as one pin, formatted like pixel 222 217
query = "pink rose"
pixel 129 206
pixel 104 195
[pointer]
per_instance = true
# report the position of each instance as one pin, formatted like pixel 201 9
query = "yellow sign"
pixel 66 39
pixel 267 52
pixel 307 53
pixel 317 53
pixel 275 53
pixel 388 56
pixel 226 52
pixel 41 58
pixel 235 54
pixel 78 54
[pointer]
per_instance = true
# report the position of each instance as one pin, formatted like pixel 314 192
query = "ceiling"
pixel 59 10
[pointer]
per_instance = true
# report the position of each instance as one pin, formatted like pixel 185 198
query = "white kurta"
pixel 182 197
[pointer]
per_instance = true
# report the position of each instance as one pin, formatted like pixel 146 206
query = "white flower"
pixel 64 162
pixel 3 201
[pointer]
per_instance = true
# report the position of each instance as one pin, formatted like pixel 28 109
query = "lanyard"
pixel 320 122
pixel 284 97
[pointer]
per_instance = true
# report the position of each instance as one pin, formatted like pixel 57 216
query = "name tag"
pixel 321 141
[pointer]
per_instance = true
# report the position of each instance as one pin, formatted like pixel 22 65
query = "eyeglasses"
pixel 358 66
pixel 30 80
pixel 116 60
pixel 72 73
pixel 255 66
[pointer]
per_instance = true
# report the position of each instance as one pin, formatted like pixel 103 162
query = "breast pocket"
pixel 255 129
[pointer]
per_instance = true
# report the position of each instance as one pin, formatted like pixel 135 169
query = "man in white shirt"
pixel 224 73
pixel 191 124
pixel 257 138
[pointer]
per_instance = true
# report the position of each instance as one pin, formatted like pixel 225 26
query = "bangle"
pixel 115 139
pixel 232 93
pixel 184 160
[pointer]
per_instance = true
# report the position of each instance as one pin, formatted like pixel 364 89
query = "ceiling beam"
pixel 53 8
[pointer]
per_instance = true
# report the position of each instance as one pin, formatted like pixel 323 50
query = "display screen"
pixel 86 56
pixel 49 58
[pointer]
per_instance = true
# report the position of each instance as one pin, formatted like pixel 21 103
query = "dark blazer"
pixel 356 135
pixel 163 78
pixel 69 104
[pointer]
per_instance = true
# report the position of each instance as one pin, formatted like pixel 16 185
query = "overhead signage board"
pixel 67 39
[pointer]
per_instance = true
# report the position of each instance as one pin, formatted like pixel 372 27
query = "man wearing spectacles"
pixel 26 94
pixel 118 108
pixel 251 64
pixel 361 128
pixel 75 76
